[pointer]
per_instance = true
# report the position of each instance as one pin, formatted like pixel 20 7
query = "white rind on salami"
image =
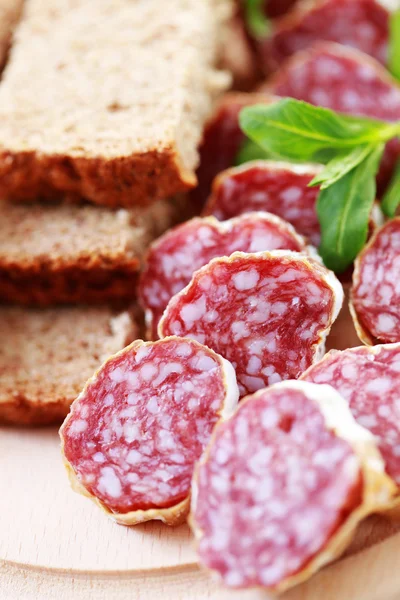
pixel 375 293
pixel 283 485
pixel 369 380
pixel 172 259
pixel 135 432
pixel 268 313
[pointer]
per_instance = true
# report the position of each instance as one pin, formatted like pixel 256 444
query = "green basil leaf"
pixel 257 21
pixel 299 131
pixel 340 165
pixel 391 199
pixel 344 210
pixel 394 44
pixel 250 151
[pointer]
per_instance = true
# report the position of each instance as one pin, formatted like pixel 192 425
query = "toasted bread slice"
pixel 106 100
pixel 10 12
pixel 75 254
pixel 46 356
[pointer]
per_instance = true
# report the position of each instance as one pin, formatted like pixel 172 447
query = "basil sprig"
pixel 344 210
pixel 351 149
pixel 257 21
pixel 391 199
pixel 394 44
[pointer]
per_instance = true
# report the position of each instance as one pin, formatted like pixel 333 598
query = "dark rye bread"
pixel 106 99
pixel 76 254
pixel 46 356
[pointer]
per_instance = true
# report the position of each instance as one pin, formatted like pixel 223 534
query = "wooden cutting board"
pixel 55 544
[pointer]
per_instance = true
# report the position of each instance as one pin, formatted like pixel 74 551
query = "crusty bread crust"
pixel 10 12
pixel 76 254
pixel 126 181
pixel 46 356
pixel 115 111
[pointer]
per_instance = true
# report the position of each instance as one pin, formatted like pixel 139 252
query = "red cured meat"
pixel 361 24
pixel 277 8
pixel 222 139
pixel 375 294
pixel 279 188
pixel 339 78
pixel 344 80
pixel 136 430
pixel 268 313
pixel 173 258
pixel 369 379
pixel 282 485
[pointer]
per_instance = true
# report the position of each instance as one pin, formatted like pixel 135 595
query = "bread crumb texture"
pixel 76 254
pixel 46 357
pixel 106 100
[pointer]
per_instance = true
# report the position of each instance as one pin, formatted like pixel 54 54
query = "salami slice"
pixel 375 294
pixel 277 187
pixel 345 80
pixel 277 8
pixel 268 313
pixel 369 379
pixel 339 78
pixel 282 486
pixel 133 435
pixel 222 139
pixel 362 24
pixel 173 258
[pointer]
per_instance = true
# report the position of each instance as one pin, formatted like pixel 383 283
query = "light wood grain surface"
pixel 55 544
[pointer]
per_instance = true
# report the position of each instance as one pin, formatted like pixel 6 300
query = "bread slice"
pixel 46 356
pixel 106 100
pixel 10 11
pixel 75 254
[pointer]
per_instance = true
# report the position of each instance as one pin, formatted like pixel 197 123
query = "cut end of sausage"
pixel 282 486
pixel 133 435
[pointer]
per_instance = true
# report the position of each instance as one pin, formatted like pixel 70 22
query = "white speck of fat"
pixel 109 483
pixel 133 457
pixel 190 313
pixel 245 280
pixel 152 405
pixel 78 426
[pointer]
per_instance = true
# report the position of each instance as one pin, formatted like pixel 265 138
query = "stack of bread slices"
pixel 102 107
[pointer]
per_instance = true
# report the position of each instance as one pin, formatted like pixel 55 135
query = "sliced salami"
pixel 277 187
pixel 277 8
pixel 345 80
pixel 283 485
pixel 268 313
pixel 133 435
pixel 222 139
pixel 339 78
pixel 369 379
pixel 375 294
pixel 173 258
pixel 362 24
